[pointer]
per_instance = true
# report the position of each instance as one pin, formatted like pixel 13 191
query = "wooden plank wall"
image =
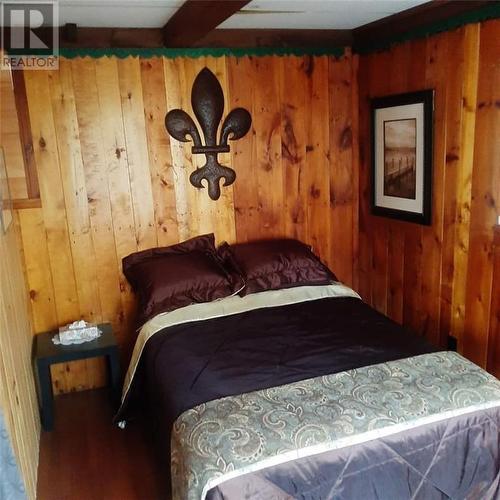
pixel 494 333
pixel 10 139
pixel 17 392
pixel 112 181
pixel 438 279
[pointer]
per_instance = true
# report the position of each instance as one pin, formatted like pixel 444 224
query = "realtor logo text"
pixel 30 35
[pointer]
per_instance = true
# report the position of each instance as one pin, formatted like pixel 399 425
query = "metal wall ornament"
pixel 207 100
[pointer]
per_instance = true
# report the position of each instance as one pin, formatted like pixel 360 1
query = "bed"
pixel 307 392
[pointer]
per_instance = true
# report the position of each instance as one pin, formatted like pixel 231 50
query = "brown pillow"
pixel 171 277
pixel 274 264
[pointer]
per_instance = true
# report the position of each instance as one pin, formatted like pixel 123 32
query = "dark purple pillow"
pixel 274 264
pixel 172 277
pixel 198 243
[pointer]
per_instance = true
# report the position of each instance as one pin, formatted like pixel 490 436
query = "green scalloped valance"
pixel 201 52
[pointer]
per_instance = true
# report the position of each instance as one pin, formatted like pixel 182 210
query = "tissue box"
pixel 78 332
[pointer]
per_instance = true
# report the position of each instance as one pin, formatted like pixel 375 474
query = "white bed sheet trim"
pixel 227 307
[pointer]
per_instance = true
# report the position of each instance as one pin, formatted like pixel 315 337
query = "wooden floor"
pixel 86 457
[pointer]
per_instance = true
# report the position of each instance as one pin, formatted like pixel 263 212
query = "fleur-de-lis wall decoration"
pixel 207 100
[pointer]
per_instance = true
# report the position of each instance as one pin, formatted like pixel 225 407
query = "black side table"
pixel 46 353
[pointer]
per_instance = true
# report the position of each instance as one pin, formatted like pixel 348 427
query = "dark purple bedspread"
pixel 185 365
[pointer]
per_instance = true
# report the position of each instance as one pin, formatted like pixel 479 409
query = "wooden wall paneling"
pixel 244 151
pixel 18 401
pixel 32 188
pixel 340 84
pixel 174 74
pixel 10 138
pixel 399 77
pixel 432 236
pixel 380 257
pixel 485 194
pixel 17 391
pixel 76 204
pixel 493 364
pixel 37 269
pixel 448 266
pixel 162 178
pixel 413 257
pixel 395 256
pixel 121 191
pixel 455 65
pixel 225 226
pixel 119 176
pixel 53 207
pixel 380 67
pixel 129 72
pixel 293 144
pixel 464 177
pixel 318 160
pixel 412 279
pixel 19 320
pixel 365 251
pixel 52 194
pixel 118 172
pixel 269 172
pixel 356 165
pixel 95 165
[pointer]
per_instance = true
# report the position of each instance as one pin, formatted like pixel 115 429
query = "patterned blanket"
pixel 232 436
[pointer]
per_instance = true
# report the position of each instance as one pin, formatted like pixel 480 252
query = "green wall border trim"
pixel 483 14
pixel 200 52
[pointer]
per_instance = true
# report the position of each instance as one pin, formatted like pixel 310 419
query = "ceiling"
pixel 258 14
pixel 117 13
pixel 314 14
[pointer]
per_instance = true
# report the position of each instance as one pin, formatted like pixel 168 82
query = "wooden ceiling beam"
pixel 197 18
pixel 235 38
pixel 391 27
pixel 152 37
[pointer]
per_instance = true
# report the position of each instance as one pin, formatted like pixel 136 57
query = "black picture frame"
pixel 402 189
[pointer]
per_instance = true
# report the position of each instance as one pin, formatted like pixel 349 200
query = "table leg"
pixel 114 374
pixel 46 396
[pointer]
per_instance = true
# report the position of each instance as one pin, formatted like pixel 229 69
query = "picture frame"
pixel 5 198
pixel 402 143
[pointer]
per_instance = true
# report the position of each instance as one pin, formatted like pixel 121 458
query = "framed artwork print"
pixel 5 201
pixel 402 130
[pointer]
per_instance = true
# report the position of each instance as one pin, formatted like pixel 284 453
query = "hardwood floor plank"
pixel 85 457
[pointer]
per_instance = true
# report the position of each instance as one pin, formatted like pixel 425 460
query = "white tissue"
pixel 75 325
pixel 76 333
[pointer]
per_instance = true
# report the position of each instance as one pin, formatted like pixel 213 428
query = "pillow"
pixel 171 277
pixel 274 264
pixel 199 243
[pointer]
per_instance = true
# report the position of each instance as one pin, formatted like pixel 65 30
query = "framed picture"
pixel 402 130
pixel 5 200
